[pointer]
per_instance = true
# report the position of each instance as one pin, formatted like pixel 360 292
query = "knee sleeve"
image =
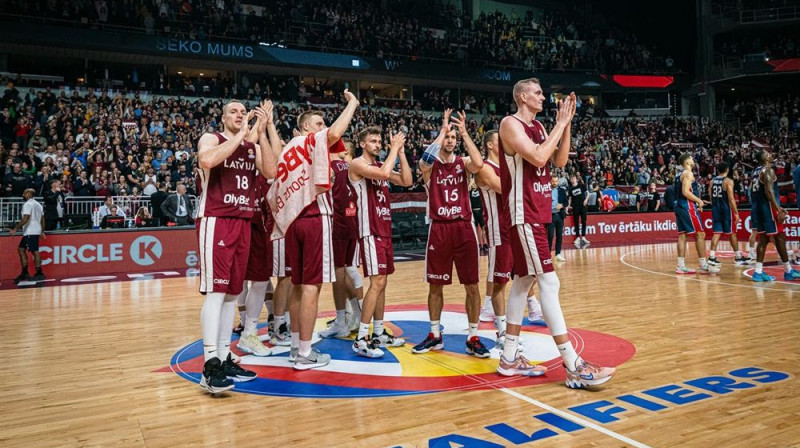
pixel 517 299
pixel 549 286
pixel 355 276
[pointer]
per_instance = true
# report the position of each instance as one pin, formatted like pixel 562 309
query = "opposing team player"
pixel 345 244
pixel 228 168
pixel 527 153
pixel 688 206
pixel 451 238
pixel 768 217
pixel 302 209
pixel 501 259
pixel 724 215
pixel 370 180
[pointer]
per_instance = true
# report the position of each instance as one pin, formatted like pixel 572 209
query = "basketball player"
pixel 451 237
pixel 32 225
pixel 257 283
pixel 724 215
pixel 688 206
pixel 769 216
pixel 228 168
pixel 345 244
pixel 370 180
pixel 527 152
pixel 302 209
pixel 501 259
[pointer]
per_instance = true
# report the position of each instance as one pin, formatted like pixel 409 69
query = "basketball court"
pixel 702 361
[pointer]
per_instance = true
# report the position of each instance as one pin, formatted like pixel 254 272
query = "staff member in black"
pixel 578 203
pixel 54 206
pixel 555 230
pixel 651 198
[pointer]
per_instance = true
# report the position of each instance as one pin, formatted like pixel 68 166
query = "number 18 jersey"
pixel 228 189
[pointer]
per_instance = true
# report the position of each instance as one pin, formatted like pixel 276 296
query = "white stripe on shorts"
pixel 206 246
pixel 528 242
pixel 279 257
pixel 328 268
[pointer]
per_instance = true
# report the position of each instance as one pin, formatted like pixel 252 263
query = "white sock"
pixel 713 254
pixel 209 322
pixel 269 304
pixel 377 327
pixel 363 330
pixel 787 266
pixel 295 339
pixel 226 327
pixel 759 267
pixel 487 302
pixel 473 330
pixel 534 305
pixel 287 319
pixel 254 301
pixel 500 323
pixel 568 354
pixel 304 348
pixel 747 246
pixel 702 262
pixel 435 328
pixel 681 262
pixel 510 347
pixel 738 254
pixel 341 317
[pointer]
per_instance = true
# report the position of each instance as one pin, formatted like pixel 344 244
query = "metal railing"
pixel 11 208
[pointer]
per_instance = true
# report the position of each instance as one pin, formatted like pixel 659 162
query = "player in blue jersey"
pixel 724 215
pixel 768 217
pixel 688 206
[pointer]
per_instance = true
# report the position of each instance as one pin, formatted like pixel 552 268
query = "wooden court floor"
pixel 715 365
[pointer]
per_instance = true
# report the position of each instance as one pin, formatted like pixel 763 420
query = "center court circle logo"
pixel 400 372
pixel 145 250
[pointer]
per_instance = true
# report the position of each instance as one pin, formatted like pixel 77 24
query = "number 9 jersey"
pixel 227 190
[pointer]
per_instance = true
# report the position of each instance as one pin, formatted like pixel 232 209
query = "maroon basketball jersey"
pixel 227 190
pixel 526 188
pixel 448 191
pixel 492 203
pixel 260 202
pixel 374 209
pixel 345 212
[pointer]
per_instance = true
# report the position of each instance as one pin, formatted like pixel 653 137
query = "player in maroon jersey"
pixel 501 259
pixel 308 230
pixel 451 238
pixel 370 179
pixel 527 152
pixel 345 245
pixel 228 168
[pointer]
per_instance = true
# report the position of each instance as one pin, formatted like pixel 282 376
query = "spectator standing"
pixel 555 230
pixel 54 206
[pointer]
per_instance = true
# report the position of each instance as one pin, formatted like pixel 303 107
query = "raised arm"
pixel 474 162
pixel 515 141
pixel 266 159
pixel 561 156
pixel 362 169
pixel 340 126
pixel 211 153
pixel 402 178
pixel 432 151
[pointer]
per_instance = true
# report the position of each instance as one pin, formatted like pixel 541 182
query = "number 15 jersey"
pixel 448 191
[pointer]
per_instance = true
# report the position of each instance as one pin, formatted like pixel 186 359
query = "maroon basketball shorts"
pixel 224 245
pixel 452 242
pixel 259 263
pixel 309 250
pixel 530 249
pixel 377 254
pixel 501 263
